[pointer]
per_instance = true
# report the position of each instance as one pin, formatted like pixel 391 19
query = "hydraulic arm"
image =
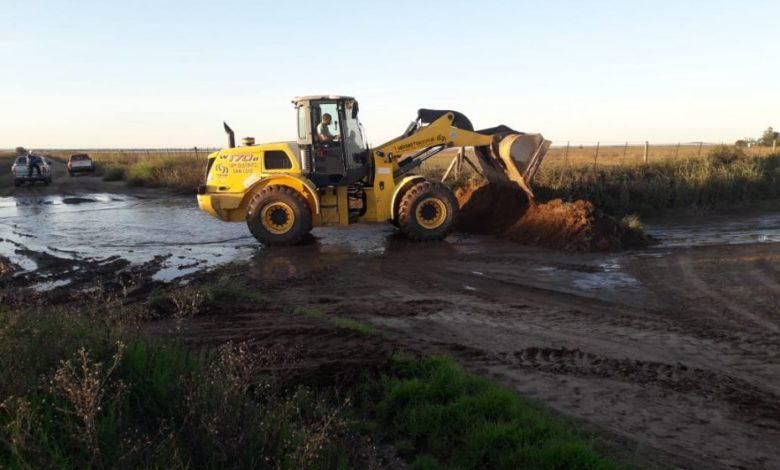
pixel 505 154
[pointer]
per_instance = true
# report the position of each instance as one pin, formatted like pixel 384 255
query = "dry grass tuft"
pixel 84 383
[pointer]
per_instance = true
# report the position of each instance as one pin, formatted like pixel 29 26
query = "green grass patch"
pixel 341 322
pixel 229 290
pixel 442 417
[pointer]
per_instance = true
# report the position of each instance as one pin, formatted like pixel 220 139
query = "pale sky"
pixel 167 73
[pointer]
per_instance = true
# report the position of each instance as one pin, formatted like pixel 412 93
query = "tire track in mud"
pixel 685 376
pixel 692 277
pixel 749 400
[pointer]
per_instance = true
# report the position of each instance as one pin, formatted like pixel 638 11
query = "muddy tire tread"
pixel 406 222
pixel 303 224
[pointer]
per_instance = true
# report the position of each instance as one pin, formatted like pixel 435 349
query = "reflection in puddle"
pixel 140 230
pixel 605 275
pixel 49 285
pixel 718 230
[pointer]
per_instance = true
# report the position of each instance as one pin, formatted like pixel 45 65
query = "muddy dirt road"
pixel 674 349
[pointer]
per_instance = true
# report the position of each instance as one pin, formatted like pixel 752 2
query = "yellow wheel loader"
pixel 329 176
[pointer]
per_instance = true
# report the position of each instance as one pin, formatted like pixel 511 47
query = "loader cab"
pixel 330 137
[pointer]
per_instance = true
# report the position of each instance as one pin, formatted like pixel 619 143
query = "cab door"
pixel 328 156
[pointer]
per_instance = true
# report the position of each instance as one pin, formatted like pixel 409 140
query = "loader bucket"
pixel 514 157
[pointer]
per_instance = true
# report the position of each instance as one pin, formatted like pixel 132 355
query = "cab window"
pixel 276 160
pixel 302 116
pixel 333 128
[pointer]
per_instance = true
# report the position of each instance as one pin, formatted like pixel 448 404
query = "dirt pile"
pixel 504 210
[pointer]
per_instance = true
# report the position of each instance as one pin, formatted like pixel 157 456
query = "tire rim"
pixel 431 213
pixel 277 217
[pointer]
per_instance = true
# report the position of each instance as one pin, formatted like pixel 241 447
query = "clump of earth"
pixel 505 210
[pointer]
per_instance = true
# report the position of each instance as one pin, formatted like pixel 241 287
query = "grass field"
pixel 634 154
pixel 179 170
pixel 89 387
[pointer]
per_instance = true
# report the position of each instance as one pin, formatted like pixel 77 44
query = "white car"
pixel 80 163
pixel 21 170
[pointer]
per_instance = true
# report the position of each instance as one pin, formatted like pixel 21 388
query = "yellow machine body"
pixel 236 175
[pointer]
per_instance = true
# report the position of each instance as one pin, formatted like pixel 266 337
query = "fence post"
pixel 677 151
pixel 566 155
pixel 596 157
pixel 774 145
pixel 647 150
pixel 625 149
pixel 698 154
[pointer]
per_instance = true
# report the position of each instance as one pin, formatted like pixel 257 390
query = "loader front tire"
pixel 427 212
pixel 278 215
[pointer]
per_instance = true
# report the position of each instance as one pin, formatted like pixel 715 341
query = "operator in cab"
pixel 323 129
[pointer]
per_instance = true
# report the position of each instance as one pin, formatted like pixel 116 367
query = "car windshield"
pixel 21 161
pixel 79 158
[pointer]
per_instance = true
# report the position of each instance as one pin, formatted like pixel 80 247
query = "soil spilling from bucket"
pixel 504 210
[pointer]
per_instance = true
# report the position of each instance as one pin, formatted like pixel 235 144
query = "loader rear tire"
pixel 428 211
pixel 278 215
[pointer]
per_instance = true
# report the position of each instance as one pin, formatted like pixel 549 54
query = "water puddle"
pixel 101 226
pixel 718 230
pixel 98 226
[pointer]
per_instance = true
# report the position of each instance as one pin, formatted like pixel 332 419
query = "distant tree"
pixel 768 137
pixel 21 151
pixel 741 143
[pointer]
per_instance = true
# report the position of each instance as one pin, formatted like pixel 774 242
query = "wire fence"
pixel 641 152
pixel 606 153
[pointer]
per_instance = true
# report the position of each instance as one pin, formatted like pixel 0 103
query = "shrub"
pixel 725 154
pixel 73 396
pixel 647 189
pixel 113 174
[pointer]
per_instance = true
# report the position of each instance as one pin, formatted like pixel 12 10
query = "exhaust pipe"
pixel 231 135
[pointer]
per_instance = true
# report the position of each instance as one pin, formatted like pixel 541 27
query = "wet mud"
pixel 675 357
pixel 504 210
